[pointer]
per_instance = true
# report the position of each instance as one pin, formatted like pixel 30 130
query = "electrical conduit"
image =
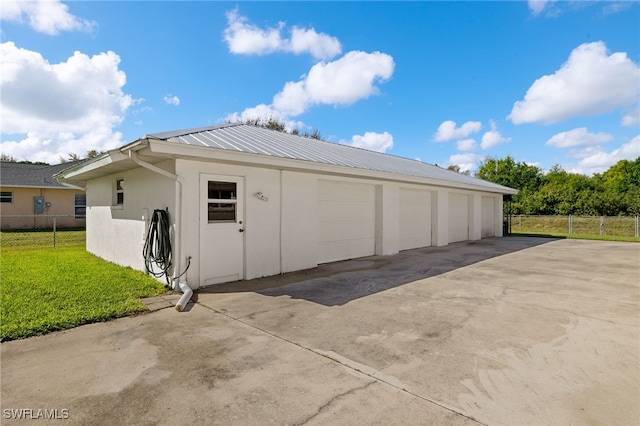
pixel 187 292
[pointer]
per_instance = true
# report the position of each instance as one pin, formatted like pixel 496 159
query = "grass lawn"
pixel 577 236
pixel 59 288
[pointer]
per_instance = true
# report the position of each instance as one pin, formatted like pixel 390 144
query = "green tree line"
pixel 616 192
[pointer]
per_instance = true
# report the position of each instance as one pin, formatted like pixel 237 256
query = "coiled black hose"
pixel 157 246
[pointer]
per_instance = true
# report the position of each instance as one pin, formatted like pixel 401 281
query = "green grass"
pixel 611 226
pixel 59 288
pixel 577 236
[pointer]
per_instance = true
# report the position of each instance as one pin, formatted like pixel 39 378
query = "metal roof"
pixel 262 141
pixel 31 175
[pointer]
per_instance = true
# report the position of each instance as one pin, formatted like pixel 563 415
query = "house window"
pixel 6 197
pixel 80 206
pixel 119 193
pixel 221 201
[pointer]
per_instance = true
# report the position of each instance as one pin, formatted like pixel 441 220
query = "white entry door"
pixel 221 229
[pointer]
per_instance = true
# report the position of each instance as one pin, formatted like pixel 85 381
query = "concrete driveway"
pixel 499 331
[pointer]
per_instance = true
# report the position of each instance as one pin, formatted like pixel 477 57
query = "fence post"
pixel 54 231
pixel 520 222
pixel 637 226
pixel 570 224
pixel 601 225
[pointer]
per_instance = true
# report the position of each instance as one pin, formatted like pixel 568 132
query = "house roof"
pixel 258 140
pixel 261 147
pixel 31 175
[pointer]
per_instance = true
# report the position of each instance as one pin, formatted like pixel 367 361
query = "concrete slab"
pixel 498 331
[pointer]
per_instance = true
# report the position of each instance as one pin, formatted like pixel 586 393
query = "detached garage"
pixel 245 202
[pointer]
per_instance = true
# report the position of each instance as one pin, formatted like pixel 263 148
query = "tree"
pixel 558 192
pixel 8 158
pixel 510 173
pixel 521 176
pixel 278 125
pixel 456 168
pixel 94 153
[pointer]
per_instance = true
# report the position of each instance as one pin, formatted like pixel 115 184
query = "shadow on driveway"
pixel 338 283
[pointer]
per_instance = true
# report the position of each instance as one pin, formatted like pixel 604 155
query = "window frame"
pixel 222 201
pixel 118 193
pixel 77 206
pixel 6 197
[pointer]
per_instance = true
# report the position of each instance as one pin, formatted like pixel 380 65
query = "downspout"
pixel 187 292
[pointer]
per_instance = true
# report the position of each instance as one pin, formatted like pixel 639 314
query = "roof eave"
pixel 79 172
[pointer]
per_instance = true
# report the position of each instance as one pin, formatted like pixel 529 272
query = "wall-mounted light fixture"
pixel 261 196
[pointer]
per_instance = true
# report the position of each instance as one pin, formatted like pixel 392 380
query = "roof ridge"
pixel 190 131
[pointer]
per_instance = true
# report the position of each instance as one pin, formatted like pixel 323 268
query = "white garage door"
pixel 415 218
pixel 346 220
pixel 488 217
pixel 458 217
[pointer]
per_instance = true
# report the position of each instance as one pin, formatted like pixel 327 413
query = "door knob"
pixel 240 230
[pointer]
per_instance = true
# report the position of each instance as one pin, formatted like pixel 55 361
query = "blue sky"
pixel 547 82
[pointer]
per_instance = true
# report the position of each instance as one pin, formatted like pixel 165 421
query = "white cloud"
pixel 468 162
pixel 591 82
pixel 45 16
pixel 261 112
pixel 264 113
pixel 577 138
pixel 447 130
pixel 537 6
pixel 632 118
pixel 340 82
pixel 596 160
pixel 492 137
pixel 244 38
pixel 172 100
pixel 72 106
pixel 615 7
pixel 380 142
pixel 467 145
pixel 320 46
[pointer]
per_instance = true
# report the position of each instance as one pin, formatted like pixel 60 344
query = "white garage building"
pixel 247 202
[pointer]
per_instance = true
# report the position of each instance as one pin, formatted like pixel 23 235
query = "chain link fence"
pixel 622 226
pixel 38 231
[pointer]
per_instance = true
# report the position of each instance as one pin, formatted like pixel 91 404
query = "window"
pixel 119 193
pixel 80 206
pixel 221 201
pixel 6 197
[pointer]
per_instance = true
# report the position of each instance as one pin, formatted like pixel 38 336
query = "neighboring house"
pixel 30 197
pixel 248 202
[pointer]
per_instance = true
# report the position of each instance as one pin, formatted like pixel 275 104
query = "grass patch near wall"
pixel 59 288
pixel 576 236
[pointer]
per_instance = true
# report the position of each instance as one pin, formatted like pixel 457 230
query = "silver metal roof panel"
pixel 261 141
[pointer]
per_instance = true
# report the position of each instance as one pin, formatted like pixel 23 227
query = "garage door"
pixel 458 217
pixel 488 217
pixel 346 220
pixel 415 218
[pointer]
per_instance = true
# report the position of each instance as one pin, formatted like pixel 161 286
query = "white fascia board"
pixel 64 188
pixel 198 153
pixel 81 170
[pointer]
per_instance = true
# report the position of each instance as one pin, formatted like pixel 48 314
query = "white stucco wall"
pixel 116 233
pixel 261 218
pixel 281 234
